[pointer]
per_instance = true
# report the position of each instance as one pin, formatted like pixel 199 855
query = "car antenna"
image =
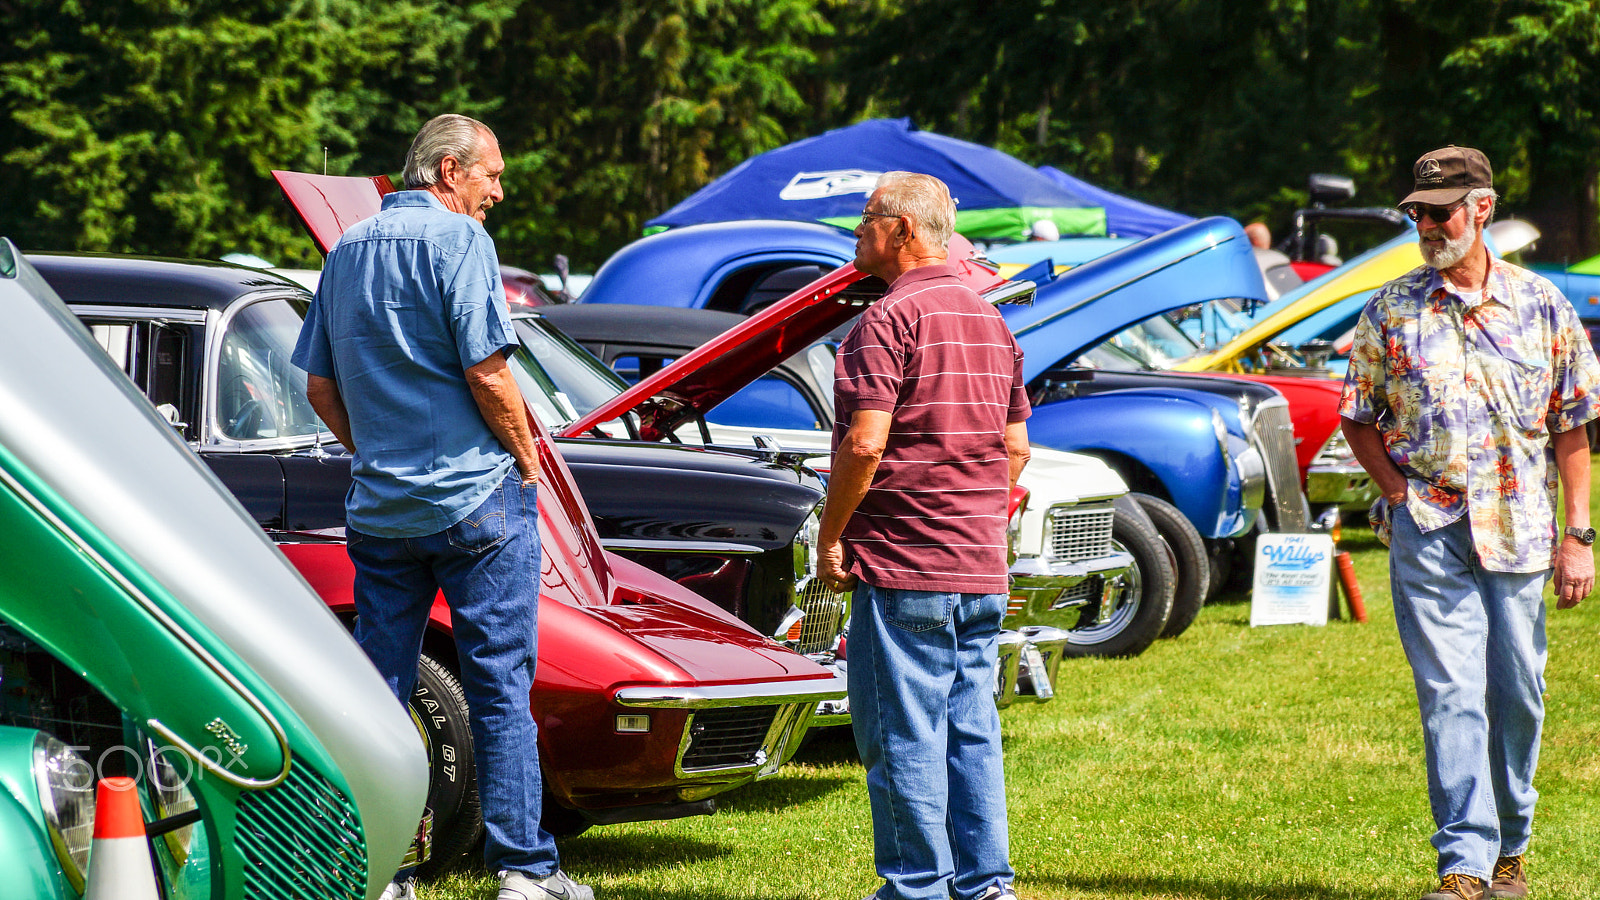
pixel 324 159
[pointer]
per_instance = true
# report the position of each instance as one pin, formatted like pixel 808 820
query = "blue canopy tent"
pixel 1124 217
pixel 827 178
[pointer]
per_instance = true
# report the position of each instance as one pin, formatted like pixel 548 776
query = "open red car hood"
pixel 328 204
pixel 714 371
pixel 702 378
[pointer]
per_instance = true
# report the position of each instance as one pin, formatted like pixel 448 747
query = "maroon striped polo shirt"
pixel 940 358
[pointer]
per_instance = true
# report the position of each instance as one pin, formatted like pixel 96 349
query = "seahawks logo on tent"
pixel 817 185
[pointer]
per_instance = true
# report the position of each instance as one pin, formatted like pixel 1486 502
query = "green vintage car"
pixel 148 628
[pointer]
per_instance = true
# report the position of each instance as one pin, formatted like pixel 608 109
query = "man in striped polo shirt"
pixel 928 441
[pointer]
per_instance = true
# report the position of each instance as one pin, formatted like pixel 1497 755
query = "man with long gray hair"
pixel 1469 385
pixel 405 347
pixel 929 439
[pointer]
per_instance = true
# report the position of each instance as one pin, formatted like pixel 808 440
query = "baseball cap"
pixel 1445 176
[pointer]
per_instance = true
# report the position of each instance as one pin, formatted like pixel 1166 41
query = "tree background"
pixel 150 126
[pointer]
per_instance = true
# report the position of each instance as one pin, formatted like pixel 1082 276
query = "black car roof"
pixel 667 326
pixel 149 281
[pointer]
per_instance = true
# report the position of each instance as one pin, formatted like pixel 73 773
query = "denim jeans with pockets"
pixel 487 565
pixel 922 676
pixel 1476 643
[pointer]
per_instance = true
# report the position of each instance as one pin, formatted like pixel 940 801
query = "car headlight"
pixel 170 772
pixel 66 791
pixel 1336 450
pixel 1220 429
pixel 805 546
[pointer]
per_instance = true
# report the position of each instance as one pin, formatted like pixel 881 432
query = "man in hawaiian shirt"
pixel 1470 382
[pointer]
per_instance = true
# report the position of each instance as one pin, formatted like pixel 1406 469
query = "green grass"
pixel 1227 764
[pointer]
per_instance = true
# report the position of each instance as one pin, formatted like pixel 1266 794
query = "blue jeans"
pixel 1476 643
pixel 487 565
pixel 922 673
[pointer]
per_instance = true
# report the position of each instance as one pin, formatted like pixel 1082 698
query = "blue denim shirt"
pixel 409 300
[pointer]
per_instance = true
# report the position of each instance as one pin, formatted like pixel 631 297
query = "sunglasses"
pixel 868 215
pixel 1416 211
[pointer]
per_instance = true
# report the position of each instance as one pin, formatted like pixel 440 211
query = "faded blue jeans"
pixel 487 565
pixel 1476 643
pixel 922 675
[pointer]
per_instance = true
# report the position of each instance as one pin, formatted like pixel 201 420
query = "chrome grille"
pixel 825 610
pixel 1274 434
pixel 301 840
pixel 1085 590
pixel 731 736
pixel 1073 533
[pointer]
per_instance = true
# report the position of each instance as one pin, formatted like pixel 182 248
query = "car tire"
pixel 1146 600
pixel 439 707
pixel 1193 583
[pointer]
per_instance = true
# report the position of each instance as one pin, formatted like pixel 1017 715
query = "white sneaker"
pixel 400 890
pixel 998 892
pixel 517 886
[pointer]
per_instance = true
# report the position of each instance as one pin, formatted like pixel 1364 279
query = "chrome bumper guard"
pixel 1055 593
pixel 795 702
pixel 1342 484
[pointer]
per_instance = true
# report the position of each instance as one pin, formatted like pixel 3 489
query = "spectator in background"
pixel 928 441
pixel 1469 386
pixel 1044 230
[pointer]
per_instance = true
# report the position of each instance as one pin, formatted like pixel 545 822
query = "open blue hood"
pixel 1207 260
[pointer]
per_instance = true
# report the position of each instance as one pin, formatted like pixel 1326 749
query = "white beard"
pixel 1453 251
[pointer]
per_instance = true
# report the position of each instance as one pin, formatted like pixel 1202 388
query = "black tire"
pixel 439 707
pixel 1194 563
pixel 1144 603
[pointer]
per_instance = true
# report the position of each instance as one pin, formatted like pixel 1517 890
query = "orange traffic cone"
pixel 119 858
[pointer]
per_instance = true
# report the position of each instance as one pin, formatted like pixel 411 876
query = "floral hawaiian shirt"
pixel 1466 393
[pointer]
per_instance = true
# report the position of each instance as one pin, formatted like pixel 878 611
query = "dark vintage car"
pixel 651 700
pixel 147 630
pixel 1077 515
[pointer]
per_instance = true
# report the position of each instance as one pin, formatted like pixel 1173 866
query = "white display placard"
pixel 1291 579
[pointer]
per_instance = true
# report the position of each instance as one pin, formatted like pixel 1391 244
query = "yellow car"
pixel 1252 350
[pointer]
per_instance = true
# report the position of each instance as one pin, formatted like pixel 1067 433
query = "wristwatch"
pixel 1585 536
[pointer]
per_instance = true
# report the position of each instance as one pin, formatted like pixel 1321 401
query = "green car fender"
pixel 26 855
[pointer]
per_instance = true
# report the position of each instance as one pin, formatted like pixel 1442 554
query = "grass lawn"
pixel 1226 764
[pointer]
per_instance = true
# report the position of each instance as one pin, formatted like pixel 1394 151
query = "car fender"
pixel 26 855
pixel 1172 436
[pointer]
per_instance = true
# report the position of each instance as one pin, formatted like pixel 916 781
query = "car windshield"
pixel 260 394
pixel 560 379
pixel 1155 342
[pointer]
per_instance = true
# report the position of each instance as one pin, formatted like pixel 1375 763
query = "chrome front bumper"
pixel 1345 484
pixel 774 716
pixel 1047 600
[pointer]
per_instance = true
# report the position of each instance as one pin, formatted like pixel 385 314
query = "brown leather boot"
pixel 1456 886
pixel 1510 879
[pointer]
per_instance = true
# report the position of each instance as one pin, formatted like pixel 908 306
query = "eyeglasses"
pixel 868 215
pixel 1416 211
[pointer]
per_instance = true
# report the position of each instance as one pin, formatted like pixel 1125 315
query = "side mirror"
pixel 170 413
pixel 1331 188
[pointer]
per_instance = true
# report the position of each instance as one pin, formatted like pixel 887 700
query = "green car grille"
pixel 301 840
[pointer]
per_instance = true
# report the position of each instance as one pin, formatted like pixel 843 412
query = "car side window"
pixel 155 356
pixel 260 394
pixel 767 402
pixel 634 369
